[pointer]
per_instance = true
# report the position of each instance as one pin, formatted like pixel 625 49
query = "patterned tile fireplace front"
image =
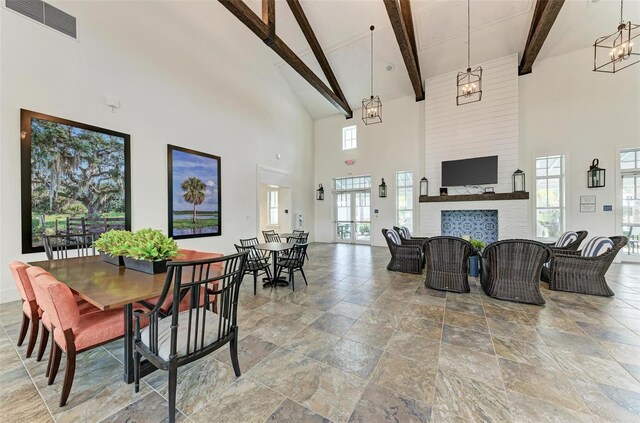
pixel 476 224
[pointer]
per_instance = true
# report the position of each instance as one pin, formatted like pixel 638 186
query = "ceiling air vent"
pixel 45 14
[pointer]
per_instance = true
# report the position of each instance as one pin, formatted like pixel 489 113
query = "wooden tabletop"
pixel 275 246
pixel 104 285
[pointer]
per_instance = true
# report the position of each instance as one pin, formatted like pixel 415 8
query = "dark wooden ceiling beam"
pixel 252 21
pixel 269 18
pixel 544 16
pixel 407 18
pixel 398 18
pixel 305 26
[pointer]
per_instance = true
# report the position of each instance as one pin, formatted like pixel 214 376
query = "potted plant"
pixel 112 245
pixel 149 250
pixel 474 259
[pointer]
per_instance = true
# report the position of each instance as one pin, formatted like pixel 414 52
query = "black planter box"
pixel 115 260
pixel 146 266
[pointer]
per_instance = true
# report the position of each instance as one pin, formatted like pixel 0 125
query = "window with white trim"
pixel 550 204
pixel 404 200
pixel 349 137
pixel 272 208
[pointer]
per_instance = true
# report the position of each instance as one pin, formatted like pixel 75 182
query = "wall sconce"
pixel 595 175
pixel 518 181
pixel 382 189
pixel 424 186
pixel 320 193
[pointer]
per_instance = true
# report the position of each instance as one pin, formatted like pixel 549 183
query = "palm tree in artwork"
pixel 194 190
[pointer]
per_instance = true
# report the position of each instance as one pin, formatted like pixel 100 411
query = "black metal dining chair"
pixel 271 237
pixel 256 264
pixel 254 241
pixel 293 262
pixel 58 247
pixel 171 342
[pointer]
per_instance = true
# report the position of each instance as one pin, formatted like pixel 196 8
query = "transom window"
pixel 353 182
pixel 349 137
pixel 272 208
pixel 550 202
pixel 404 200
pixel 630 159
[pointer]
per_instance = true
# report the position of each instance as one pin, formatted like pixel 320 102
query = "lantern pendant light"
pixel 614 52
pixel 372 106
pixel 469 83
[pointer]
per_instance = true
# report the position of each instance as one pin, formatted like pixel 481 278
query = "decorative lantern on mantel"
pixel 518 181
pixel 382 189
pixel 595 175
pixel 424 186
pixel 320 193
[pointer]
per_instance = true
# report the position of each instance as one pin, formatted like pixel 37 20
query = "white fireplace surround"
pixel 513 220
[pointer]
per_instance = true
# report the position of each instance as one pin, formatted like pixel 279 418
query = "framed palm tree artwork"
pixel 194 193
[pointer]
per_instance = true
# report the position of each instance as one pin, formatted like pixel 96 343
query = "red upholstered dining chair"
pixel 71 333
pixel 84 307
pixel 30 310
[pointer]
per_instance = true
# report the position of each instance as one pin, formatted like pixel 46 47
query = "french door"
pixel 353 216
pixel 629 203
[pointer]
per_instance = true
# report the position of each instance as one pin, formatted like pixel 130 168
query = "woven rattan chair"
pixel 584 275
pixel 447 263
pixel 407 239
pixel 511 270
pixel 404 258
pixel 546 274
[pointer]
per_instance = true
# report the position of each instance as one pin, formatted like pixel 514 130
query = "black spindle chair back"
pixel 59 247
pixel 271 237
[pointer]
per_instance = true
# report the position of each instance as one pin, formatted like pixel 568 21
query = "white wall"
pixel 180 80
pixel 394 145
pixel 485 128
pixel 566 108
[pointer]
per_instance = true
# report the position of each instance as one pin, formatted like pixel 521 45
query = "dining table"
pixel 108 287
pixel 275 248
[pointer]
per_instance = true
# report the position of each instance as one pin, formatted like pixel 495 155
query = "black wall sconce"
pixel 382 189
pixel 320 193
pixel 595 175
pixel 518 181
pixel 424 186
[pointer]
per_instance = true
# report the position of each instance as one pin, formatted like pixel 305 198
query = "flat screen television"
pixel 476 171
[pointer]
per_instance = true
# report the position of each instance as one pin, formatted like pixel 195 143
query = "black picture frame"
pixel 26 122
pixel 214 183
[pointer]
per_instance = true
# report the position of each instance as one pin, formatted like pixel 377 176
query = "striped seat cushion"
pixel 597 246
pixel 566 239
pixel 393 236
pixel 404 233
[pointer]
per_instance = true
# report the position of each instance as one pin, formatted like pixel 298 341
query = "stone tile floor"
pixel 363 344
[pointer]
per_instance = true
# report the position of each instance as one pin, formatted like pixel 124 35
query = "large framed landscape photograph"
pixel 194 193
pixel 74 178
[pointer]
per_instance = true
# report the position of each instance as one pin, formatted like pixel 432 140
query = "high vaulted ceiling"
pixel 498 28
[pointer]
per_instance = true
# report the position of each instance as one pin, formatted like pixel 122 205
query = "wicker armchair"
pixel 584 275
pixel 407 239
pixel 571 247
pixel 511 270
pixel 404 258
pixel 545 275
pixel 447 262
